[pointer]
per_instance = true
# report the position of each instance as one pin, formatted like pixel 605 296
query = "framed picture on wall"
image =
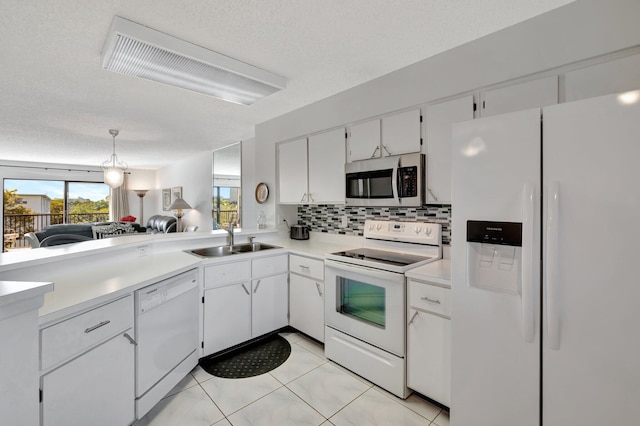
pixel 176 192
pixel 166 199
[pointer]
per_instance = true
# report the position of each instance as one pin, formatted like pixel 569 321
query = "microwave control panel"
pixel 408 177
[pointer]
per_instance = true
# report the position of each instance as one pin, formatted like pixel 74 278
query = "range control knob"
pixel 427 232
pixel 417 230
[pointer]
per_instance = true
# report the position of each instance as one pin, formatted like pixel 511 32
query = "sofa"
pixel 85 230
pixel 161 224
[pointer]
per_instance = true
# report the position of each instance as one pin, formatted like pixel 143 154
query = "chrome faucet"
pixel 230 232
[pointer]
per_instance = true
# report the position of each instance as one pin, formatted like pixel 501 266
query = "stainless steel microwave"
pixel 390 181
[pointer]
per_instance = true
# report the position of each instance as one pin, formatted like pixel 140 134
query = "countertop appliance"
pixel 390 181
pixel 557 347
pixel 365 299
pixel 166 326
pixel 299 232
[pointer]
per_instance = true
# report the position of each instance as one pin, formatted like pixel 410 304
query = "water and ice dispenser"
pixel 494 255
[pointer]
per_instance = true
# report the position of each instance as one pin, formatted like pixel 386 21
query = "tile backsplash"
pixel 329 217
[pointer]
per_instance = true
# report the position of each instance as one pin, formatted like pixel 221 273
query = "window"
pixel 32 205
pixel 227 186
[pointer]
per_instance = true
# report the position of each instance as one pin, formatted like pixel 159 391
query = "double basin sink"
pixel 220 251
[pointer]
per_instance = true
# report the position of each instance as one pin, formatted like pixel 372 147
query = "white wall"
pixel 142 179
pixel 578 31
pixel 194 175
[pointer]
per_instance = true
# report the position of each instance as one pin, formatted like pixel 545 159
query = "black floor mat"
pixel 253 360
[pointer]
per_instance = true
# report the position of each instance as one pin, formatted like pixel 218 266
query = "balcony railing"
pixel 16 225
pixel 222 217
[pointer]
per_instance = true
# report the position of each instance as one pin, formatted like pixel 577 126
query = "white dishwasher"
pixel 166 329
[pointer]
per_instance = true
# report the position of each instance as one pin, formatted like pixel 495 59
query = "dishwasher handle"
pixel 151 297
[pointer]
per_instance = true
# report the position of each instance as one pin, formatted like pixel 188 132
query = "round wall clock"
pixel 262 192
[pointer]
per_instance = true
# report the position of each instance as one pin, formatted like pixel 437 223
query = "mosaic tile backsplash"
pixel 328 217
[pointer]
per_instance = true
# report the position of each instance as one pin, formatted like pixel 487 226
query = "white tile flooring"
pixel 307 389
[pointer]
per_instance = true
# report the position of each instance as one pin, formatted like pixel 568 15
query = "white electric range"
pixel 365 300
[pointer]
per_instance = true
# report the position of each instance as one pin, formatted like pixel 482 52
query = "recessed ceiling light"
pixel 136 50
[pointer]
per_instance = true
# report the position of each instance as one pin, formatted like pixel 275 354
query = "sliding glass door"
pixel 32 205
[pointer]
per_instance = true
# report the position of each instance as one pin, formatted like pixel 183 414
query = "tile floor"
pixel 307 389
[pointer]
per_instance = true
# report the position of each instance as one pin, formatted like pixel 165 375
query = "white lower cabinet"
pixel 94 383
pixel 429 341
pixel 227 316
pixel 269 304
pixel 307 306
pixel 243 300
pixel 96 388
pixel 306 296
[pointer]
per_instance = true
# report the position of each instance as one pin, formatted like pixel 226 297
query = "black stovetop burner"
pixel 382 256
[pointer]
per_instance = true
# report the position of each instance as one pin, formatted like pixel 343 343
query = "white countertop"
pixel 86 287
pixel 438 272
pixel 319 244
pixel 83 280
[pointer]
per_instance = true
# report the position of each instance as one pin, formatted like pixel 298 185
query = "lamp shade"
pixel 180 204
pixel 114 176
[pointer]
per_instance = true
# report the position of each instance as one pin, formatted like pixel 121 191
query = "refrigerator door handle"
pixel 551 268
pixel 528 312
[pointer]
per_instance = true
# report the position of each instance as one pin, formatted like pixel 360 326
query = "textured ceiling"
pixel 57 104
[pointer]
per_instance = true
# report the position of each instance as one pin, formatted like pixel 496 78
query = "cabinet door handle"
pixel 385 148
pixel 413 317
pixel 374 151
pixel 430 300
pixel 130 339
pixel 90 329
pixel 245 289
pixel 432 194
pixel 257 285
pixel 311 200
pixel 318 287
pixel 303 198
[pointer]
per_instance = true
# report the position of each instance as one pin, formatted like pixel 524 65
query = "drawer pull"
pixel 430 300
pixel 245 289
pixel 103 323
pixel 413 317
pixel 304 267
pixel 318 287
pixel 130 339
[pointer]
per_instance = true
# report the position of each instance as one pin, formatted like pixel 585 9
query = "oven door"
pixel 366 303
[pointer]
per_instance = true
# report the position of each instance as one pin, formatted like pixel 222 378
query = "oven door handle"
pixel 364 270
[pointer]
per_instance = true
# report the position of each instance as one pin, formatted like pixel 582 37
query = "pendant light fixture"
pixel 113 168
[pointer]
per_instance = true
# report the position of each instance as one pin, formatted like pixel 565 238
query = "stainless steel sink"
pixel 220 251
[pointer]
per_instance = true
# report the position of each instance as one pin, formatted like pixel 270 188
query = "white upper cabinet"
pixel 401 133
pixel 292 171
pixel 326 167
pixel 532 94
pixel 364 141
pixel 615 76
pixel 393 135
pixel 312 172
pixel 438 121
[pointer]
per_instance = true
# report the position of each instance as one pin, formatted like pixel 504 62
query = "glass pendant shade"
pixel 113 168
pixel 113 176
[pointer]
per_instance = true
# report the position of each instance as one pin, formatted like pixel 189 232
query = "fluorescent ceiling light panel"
pixel 136 50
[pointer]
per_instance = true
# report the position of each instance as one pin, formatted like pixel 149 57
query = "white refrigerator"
pixel 545 266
